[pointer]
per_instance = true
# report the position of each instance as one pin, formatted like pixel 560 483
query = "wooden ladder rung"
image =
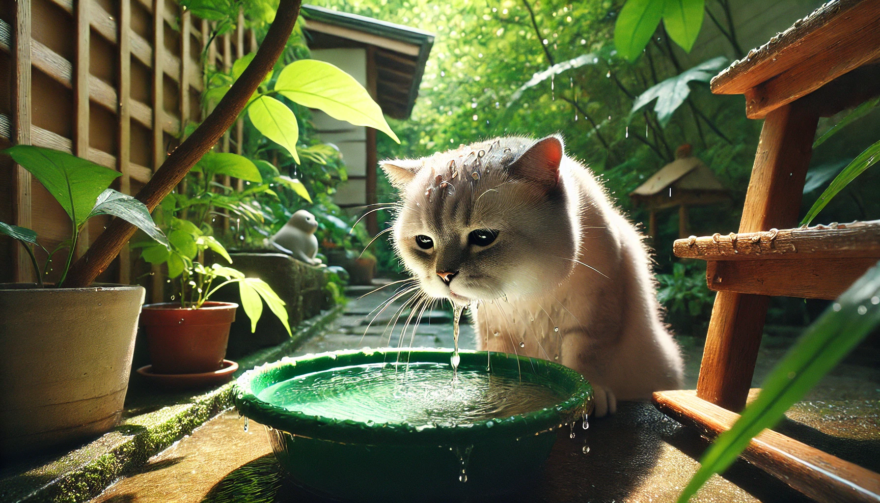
pixel 857 239
pixel 810 471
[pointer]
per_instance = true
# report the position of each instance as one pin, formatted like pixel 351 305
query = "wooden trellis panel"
pixel 113 81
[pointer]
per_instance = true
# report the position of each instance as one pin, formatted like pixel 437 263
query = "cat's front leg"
pixel 576 354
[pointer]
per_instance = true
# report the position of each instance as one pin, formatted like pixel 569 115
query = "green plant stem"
pixel 70 253
pixel 221 285
pixel 34 262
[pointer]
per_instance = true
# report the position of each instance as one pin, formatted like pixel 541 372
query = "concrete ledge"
pixel 150 426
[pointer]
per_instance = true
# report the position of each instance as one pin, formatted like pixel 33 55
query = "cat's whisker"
pixel 386 304
pixel 389 327
pixel 389 206
pixel 412 280
pixel 425 305
pixel 585 265
pixel 377 236
pixel 422 299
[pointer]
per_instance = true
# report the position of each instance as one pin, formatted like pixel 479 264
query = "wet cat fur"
pixel 566 277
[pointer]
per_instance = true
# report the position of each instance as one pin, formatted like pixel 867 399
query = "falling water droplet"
pixel 245 424
pixel 862 309
pixel 180 322
pixel 627 131
pixel 172 297
pixel 586 424
pixel 553 86
pixel 556 357
pixel 463 477
pixel 586 449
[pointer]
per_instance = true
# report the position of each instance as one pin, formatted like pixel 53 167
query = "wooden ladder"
pixel 825 63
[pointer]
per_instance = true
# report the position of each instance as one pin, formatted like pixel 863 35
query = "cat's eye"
pixel 424 242
pixel 482 237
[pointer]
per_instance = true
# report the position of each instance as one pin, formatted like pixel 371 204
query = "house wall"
pixel 113 81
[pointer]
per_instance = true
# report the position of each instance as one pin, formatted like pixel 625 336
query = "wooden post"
pixel 772 201
pixel 81 100
pixel 123 152
pixel 227 180
pixel 652 226
pixel 683 231
pixel 239 124
pixel 158 102
pixel 21 131
pixel 372 156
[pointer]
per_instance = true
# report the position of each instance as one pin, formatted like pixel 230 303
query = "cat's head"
pixel 486 221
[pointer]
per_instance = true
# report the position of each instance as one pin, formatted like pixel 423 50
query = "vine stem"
pixel 182 159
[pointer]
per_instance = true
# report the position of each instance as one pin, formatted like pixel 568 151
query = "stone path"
pixel 637 455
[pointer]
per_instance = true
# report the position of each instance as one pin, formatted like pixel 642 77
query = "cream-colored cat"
pixel 528 237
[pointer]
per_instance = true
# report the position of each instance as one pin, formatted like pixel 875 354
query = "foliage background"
pixel 485 50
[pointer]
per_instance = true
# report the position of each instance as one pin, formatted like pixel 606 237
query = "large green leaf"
pixel 250 301
pixel 558 68
pixel 227 272
pixel 865 160
pixel 295 185
pixel 154 253
pixel 267 169
pixel 316 84
pixel 184 243
pixel 847 322
pixel 176 265
pixel 635 25
pixel 221 163
pixel 857 113
pixel 275 121
pixel 276 305
pixel 683 20
pixel 75 183
pixel 213 244
pixel 672 92
pixel 112 202
pixel 20 233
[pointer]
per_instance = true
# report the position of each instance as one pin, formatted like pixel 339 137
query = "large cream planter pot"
pixel 65 359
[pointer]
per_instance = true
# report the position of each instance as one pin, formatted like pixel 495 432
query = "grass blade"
pixel 827 341
pixel 865 160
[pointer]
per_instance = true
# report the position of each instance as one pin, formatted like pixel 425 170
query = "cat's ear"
pixel 401 172
pixel 540 163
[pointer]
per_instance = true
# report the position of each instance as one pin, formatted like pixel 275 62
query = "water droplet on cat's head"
pixel 556 329
pixel 496 334
pixel 475 175
pixel 438 179
pixel 480 154
pixel 450 189
pixel 522 344
pixel 428 193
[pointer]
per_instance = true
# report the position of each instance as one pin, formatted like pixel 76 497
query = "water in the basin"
pixel 420 394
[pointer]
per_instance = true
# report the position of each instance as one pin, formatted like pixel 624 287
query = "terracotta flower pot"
pixel 187 341
pixel 65 359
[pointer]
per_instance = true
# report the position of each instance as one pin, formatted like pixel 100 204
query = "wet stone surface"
pixel 636 455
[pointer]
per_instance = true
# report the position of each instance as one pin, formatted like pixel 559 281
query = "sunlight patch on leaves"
pixel 275 121
pixel 635 25
pixel 672 92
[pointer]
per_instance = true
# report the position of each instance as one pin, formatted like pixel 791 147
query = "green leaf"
pixel 683 20
pixel 112 202
pixel 857 113
pixel 558 68
pixel 20 233
pixel 816 177
pixel 227 272
pixel 865 160
pixel 847 322
pixel 672 92
pixel 184 243
pixel 295 185
pixel 250 301
pixel 275 121
pixel 635 25
pixel 241 63
pixel 276 305
pixel 75 183
pixel 212 10
pixel 176 265
pixel 210 242
pixel 221 163
pixel 267 169
pixel 155 254
pixel 316 84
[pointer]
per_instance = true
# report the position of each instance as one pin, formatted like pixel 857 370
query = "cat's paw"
pixel 604 401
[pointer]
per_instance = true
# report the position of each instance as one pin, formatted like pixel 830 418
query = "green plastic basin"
pixel 357 461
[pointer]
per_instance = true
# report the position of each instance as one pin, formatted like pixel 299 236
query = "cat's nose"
pixel 446 276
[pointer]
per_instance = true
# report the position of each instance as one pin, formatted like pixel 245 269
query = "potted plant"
pixel 188 336
pixel 65 353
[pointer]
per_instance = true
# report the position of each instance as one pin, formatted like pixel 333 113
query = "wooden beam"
pixel 833 27
pixel 365 38
pixel 857 239
pixel 81 98
pixel 819 475
pixel 158 96
pixel 372 184
pixel 21 130
pixel 123 150
pixel 773 201
pixel 141 49
pixel 824 278
pixel 157 290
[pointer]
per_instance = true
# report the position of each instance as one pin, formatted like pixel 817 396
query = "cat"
pixel 297 238
pixel 528 236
